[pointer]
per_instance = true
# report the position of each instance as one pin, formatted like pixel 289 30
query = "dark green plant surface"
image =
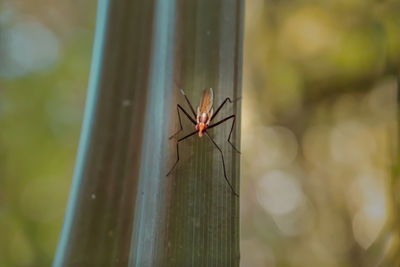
pixel 202 219
pixel 122 208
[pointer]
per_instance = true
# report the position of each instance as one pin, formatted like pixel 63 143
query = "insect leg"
pixel 222 104
pixel 177 149
pixel 230 133
pixel 179 107
pixel 190 105
pixel 223 163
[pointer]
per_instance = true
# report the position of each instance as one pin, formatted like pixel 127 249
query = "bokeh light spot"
pixel 26 47
pixel 278 193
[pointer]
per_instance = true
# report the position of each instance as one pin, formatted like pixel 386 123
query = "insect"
pixel 202 121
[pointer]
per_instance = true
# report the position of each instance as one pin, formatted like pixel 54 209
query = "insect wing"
pixel 206 102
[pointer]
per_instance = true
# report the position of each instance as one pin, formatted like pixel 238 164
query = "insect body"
pixel 202 120
pixel 205 111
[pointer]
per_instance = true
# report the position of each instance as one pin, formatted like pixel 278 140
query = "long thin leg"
pixel 222 104
pixel 223 164
pixel 230 133
pixel 219 108
pixel 179 107
pixel 177 149
pixel 190 105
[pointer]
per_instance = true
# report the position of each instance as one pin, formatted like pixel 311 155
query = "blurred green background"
pixel 319 129
pixel 45 53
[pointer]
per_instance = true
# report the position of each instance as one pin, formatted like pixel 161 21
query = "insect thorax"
pixel 203 117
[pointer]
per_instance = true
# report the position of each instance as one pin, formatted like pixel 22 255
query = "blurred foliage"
pixel 44 56
pixel 319 133
pixel 319 129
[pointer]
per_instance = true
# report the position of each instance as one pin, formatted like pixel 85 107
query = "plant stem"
pixel 122 208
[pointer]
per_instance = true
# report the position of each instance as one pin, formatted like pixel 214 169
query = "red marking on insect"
pixel 201 121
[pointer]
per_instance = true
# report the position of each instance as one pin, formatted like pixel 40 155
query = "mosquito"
pixel 202 121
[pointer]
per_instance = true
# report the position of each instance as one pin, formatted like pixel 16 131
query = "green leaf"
pixel 122 208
